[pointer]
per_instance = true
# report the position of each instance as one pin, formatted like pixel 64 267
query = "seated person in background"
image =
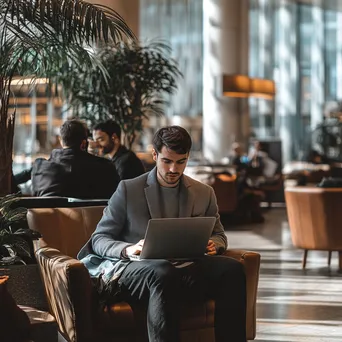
pixel 163 285
pixel 262 166
pixel 25 175
pixel 20 178
pixel 239 159
pixel 256 159
pixel 107 136
pixel 249 198
pixel 72 171
pixel 315 157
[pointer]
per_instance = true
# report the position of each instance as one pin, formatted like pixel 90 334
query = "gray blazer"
pixel 137 200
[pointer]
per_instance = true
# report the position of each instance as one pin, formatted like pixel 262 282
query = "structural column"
pixel 287 82
pixel 266 65
pixel 225 51
pixel 339 56
pixel 317 65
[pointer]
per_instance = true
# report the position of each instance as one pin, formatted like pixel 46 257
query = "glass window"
pixel 179 23
pixel 295 23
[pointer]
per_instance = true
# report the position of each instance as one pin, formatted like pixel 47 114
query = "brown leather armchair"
pixel 226 192
pixel 72 298
pixel 315 218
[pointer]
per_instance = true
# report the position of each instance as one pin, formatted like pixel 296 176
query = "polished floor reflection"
pixel 294 304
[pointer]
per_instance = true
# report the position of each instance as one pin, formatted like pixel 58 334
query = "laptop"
pixel 176 238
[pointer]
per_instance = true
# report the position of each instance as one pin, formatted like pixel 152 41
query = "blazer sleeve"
pixel 218 235
pixel 106 238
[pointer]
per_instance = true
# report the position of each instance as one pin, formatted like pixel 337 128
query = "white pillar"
pixel 225 51
pixel 266 64
pixel 287 87
pixel 339 55
pixel 317 66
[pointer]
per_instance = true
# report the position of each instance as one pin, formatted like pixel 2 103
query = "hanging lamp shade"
pixel 235 85
pixel 262 88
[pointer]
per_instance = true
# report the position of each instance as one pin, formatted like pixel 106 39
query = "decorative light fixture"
pixel 262 88
pixel 244 86
pixel 235 85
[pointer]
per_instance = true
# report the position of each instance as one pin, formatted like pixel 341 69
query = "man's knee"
pixel 231 267
pixel 163 272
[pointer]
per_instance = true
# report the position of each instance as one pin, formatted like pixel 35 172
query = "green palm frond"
pixel 139 78
pixel 6 202
pixel 69 20
pixel 46 37
pixel 15 237
pixel 15 215
pixel 10 217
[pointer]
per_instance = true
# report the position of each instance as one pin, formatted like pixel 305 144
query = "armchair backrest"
pixel 225 188
pixel 315 217
pixel 66 229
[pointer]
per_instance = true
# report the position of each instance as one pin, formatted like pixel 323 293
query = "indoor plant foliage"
pixel 139 78
pixel 47 38
pixel 15 237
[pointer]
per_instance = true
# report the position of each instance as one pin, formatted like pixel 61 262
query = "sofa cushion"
pixel 120 316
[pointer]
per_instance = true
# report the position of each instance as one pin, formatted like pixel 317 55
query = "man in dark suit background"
pixel 72 171
pixel 107 136
pixel 167 192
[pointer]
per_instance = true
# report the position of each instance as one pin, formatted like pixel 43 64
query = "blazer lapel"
pixel 186 200
pixel 152 194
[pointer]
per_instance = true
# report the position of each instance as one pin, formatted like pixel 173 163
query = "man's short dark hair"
pixel 73 132
pixel 110 127
pixel 175 138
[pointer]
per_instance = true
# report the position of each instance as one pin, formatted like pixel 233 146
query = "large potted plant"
pixel 140 78
pixel 44 38
pixel 15 236
pixel 16 254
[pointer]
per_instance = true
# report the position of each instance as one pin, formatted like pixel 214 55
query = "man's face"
pixel 170 166
pixel 105 142
pixel 238 150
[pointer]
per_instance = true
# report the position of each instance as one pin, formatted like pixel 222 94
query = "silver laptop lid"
pixel 177 238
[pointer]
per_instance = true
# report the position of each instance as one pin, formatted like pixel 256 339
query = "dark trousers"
pixel 164 287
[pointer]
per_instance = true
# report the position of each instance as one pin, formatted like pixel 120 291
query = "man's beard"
pixel 173 180
pixel 109 148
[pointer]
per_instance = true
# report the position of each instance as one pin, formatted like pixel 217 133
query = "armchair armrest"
pixel 69 292
pixel 251 262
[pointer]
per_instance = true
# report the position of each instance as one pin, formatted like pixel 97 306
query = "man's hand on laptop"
pixel 135 249
pixel 211 248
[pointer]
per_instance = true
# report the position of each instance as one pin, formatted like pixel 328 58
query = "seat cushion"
pixel 120 316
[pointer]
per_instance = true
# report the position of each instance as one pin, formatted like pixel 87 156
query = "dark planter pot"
pixel 25 285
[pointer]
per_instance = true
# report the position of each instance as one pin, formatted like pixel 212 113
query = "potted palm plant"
pixel 15 236
pixel 44 39
pixel 16 254
pixel 140 78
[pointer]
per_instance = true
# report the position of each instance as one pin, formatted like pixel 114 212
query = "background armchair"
pixel 315 218
pixel 72 298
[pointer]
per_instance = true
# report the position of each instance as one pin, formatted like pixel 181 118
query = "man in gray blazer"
pixel 166 192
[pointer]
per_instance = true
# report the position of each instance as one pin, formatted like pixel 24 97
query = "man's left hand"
pixel 211 248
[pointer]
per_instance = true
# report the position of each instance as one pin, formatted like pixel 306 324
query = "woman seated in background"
pixel 249 198
pixel 315 157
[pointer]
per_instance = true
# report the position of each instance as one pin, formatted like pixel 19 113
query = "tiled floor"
pixel 294 304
